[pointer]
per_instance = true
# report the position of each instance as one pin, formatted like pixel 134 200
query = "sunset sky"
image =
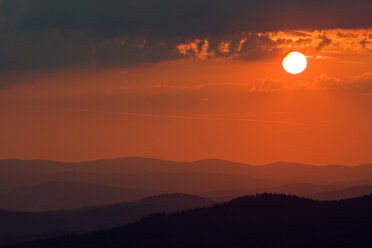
pixel 186 80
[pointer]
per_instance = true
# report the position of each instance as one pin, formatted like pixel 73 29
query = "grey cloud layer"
pixel 38 34
pixel 182 17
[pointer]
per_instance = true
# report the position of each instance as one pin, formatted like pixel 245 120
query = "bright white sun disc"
pixel 294 63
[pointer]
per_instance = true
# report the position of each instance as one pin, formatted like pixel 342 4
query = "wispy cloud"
pixel 362 82
pixel 251 46
pixel 235 117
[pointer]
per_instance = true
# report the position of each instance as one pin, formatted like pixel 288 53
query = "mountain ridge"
pixel 18 226
pixel 61 195
pixel 186 177
pixel 265 220
pixel 139 158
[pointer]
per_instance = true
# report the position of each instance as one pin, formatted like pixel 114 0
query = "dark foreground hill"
pixel 256 221
pixel 16 227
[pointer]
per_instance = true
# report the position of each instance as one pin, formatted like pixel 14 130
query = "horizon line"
pixel 187 161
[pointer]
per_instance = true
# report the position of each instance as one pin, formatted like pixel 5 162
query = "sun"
pixel 294 62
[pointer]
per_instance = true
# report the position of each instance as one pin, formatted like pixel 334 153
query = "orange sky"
pixel 211 103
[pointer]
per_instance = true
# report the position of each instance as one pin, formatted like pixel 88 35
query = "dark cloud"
pixel 181 17
pixel 42 49
pixel 325 42
pixel 37 34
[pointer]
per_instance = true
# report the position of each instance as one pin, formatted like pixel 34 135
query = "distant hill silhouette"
pixel 302 189
pixel 133 173
pixel 266 220
pixel 67 195
pixel 186 177
pixel 176 201
pixel 18 226
pixel 344 193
